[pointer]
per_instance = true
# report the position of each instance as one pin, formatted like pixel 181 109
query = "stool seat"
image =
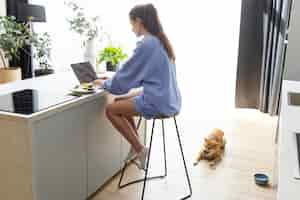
pixel 165 116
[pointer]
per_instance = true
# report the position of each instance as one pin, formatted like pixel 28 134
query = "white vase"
pixel 90 53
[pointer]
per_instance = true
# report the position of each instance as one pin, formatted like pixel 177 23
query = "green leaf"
pixel 111 54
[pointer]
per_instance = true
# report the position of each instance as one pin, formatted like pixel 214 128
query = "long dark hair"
pixel 147 13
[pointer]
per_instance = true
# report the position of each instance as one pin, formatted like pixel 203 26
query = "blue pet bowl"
pixel 261 179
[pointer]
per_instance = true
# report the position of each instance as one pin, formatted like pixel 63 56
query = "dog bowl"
pixel 261 179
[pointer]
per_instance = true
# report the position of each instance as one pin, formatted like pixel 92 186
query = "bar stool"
pixel 146 178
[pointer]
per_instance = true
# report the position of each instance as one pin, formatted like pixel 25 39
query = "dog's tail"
pixel 198 158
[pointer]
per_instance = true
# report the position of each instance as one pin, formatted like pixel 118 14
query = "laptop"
pixel 84 72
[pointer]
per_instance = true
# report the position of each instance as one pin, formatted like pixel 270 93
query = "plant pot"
pixel 10 74
pixel 111 67
pixel 43 72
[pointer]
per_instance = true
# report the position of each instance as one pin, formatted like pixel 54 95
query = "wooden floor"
pixel 250 149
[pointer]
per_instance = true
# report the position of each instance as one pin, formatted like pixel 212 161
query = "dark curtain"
pixel 25 59
pixel 250 54
pixel 261 54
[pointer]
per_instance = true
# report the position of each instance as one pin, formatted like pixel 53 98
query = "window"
pixel 67 46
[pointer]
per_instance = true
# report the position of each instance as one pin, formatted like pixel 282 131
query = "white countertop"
pixel 59 82
pixel 288 186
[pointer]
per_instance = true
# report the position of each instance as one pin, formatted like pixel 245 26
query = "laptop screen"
pixel 84 72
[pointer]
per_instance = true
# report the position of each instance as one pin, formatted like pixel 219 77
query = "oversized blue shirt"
pixel 150 68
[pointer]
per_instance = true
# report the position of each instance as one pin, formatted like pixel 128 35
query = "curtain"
pixel 261 54
pixel 250 54
pixel 25 59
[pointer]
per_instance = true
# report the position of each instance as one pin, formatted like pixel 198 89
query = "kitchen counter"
pixel 63 152
pixel 289 124
pixel 55 84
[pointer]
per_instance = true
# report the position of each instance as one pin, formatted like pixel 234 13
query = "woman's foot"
pixel 143 157
pixel 131 155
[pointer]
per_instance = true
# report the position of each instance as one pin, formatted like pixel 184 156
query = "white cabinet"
pixel 59 156
pixel 104 147
pixel 76 151
pixel 288 186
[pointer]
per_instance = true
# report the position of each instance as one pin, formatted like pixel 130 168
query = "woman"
pixel 151 67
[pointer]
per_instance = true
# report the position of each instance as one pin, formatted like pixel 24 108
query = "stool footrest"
pixel 141 180
pixel 186 197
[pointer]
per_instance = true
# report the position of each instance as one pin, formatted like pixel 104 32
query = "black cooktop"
pixel 31 101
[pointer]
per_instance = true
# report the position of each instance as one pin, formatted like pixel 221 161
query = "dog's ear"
pixel 207 141
pixel 211 142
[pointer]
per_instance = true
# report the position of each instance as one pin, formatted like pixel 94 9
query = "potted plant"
pixel 42 44
pixel 112 56
pixel 87 27
pixel 13 37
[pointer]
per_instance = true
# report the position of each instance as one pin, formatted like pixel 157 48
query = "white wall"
pixel 67 46
pixel 292 55
pixel 2 7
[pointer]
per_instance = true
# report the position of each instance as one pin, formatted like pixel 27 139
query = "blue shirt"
pixel 150 68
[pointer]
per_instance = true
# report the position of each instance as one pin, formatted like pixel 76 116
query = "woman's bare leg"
pixel 130 119
pixel 132 123
pixel 120 114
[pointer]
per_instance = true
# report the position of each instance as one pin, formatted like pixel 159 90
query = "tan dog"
pixel 213 148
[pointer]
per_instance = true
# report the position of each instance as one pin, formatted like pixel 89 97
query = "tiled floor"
pixel 250 149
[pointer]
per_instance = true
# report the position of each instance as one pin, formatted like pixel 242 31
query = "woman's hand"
pixel 99 82
pixel 103 76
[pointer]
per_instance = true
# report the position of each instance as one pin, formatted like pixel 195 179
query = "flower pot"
pixel 90 53
pixel 43 72
pixel 10 74
pixel 111 67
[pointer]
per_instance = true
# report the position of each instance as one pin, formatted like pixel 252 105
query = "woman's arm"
pixel 133 71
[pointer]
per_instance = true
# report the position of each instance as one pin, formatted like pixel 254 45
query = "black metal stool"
pixel 144 180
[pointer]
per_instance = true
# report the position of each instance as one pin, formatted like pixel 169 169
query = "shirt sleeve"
pixel 132 72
